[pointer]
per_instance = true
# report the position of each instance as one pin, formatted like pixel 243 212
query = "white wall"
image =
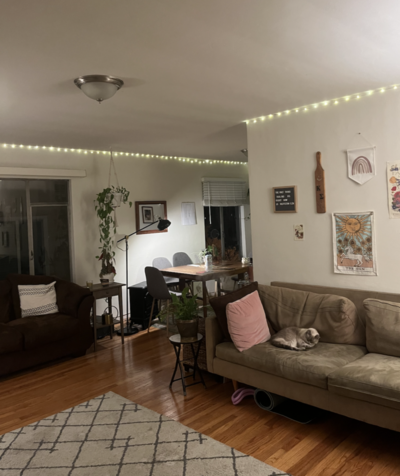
pixel 282 152
pixel 146 179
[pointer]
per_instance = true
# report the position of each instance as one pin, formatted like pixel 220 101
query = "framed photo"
pixel 147 214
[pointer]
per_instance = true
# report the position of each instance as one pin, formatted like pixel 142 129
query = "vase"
pixel 187 329
pixel 109 276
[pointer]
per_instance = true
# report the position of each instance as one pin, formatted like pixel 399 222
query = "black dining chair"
pixel 181 259
pixel 162 263
pixel 158 289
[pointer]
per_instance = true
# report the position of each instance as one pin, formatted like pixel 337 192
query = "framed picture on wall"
pixel 149 212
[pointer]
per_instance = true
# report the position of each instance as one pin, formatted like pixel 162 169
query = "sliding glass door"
pixel 34 228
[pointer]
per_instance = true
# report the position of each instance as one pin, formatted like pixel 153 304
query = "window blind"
pixel 224 193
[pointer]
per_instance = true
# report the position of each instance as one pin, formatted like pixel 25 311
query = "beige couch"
pixel 340 377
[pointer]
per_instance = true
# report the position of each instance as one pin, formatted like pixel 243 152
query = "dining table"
pixel 198 272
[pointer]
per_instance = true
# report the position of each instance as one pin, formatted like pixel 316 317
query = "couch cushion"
pixel 375 378
pixel 41 330
pixel 11 340
pixel 334 317
pixel 247 323
pixel 219 305
pixel 37 299
pixel 383 327
pixel 15 280
pixel 312 366
pixel 6 311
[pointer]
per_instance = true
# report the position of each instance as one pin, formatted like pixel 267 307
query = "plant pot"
pixel 109 276
pixel 187 329
pixel 116 200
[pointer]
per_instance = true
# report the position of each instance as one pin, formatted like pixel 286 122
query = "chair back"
pixel 156 286
pixel 181 259
pixel 161 263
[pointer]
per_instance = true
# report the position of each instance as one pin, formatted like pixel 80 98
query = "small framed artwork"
pixel 298 232
pixel 147 214
pixel 285 199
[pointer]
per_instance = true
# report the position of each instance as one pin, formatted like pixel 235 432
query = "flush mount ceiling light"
pixel 98 86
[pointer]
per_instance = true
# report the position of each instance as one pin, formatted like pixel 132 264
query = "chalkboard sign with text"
pixel 285 199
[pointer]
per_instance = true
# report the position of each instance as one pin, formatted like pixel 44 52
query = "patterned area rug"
pixel 112 436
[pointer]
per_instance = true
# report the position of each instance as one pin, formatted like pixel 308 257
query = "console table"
pixel 99 292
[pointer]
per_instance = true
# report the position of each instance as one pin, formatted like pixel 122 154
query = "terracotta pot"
pixel 187 329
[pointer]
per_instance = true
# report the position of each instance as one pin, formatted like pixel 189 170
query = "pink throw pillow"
pixel 247 323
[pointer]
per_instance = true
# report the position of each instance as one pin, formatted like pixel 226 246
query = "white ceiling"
pixel 194 69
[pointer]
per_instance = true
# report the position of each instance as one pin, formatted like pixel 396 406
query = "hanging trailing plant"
pixel 105 206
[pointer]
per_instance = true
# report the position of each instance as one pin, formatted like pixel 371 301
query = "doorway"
pixel 34 228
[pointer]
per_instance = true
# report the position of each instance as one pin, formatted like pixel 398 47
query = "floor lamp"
pixel 162 225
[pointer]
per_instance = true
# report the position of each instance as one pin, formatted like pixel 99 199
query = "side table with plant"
pixel 184 310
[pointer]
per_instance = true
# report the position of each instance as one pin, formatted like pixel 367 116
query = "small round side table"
pixel 177 342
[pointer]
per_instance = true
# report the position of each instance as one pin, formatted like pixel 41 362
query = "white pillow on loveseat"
pixel 38 299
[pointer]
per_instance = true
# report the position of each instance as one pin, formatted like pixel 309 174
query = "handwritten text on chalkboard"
pixel 285 199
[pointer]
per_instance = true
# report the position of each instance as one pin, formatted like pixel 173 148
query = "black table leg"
pixel 182 377
pixel 177 353
pixel 195 366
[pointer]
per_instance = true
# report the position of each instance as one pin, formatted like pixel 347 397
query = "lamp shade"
pixel 163 224
pixel 98 87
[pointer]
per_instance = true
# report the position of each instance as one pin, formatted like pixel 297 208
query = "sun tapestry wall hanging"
pixel 354 249
pixel 361 164
pixel 393 179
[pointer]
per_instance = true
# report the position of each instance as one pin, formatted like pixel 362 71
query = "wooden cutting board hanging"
pixel 320 186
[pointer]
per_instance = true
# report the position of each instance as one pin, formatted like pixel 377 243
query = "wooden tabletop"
pixel 197 272
pixel 99 286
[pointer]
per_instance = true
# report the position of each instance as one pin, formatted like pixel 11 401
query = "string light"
pixel 325 103
pixel 147 156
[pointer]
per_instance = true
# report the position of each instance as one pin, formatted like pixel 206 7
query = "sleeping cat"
pixel 295 338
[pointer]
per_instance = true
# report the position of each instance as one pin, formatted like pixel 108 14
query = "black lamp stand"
pixel 162 225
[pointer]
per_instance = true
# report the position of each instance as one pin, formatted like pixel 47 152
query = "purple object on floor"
pixel 241 393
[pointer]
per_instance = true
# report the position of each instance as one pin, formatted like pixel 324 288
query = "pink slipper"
pixel 241 393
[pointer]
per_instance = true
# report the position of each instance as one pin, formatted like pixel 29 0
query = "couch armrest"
pixel 70 297
pixel 214 337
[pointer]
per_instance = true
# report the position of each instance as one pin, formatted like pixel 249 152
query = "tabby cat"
pixel 295 338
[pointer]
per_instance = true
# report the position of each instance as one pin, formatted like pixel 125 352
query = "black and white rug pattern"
pixel 112 436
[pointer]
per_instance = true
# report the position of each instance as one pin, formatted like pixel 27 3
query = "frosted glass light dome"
pixel 98 87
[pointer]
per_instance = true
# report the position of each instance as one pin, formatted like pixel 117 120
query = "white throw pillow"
pixel 38 299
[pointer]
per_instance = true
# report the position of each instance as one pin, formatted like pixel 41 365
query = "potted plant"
pixel 184 310
pixel 104 206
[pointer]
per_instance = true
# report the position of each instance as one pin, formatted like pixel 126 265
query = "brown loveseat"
pixel 37 339
pixel 341 376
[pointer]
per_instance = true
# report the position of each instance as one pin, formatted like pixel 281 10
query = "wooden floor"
pixel 140 371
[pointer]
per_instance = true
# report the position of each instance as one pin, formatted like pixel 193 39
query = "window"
pixel 223 231
pixel 34 227
pixel 223 200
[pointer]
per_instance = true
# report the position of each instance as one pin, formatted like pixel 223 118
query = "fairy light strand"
pixel 325 103
pixel 131 154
